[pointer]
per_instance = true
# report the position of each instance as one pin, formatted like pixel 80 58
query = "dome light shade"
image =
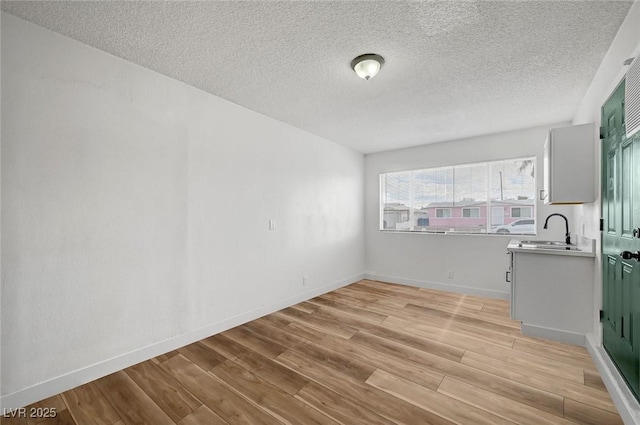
pixel 367 66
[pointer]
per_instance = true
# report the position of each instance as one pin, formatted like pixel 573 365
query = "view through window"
pixel 490 197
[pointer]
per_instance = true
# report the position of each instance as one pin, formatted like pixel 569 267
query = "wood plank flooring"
pixel 369 353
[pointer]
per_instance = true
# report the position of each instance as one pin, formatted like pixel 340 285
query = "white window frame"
pixel 489 228
pixel 529 207
pixel 471 216
pixel 444 216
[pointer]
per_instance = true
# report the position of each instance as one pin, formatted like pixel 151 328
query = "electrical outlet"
pixel 450 274
pixel 305 279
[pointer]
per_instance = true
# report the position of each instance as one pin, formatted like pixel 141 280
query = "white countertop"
pixel 586 248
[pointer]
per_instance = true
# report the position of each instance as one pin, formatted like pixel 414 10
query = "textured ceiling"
pixel 453 69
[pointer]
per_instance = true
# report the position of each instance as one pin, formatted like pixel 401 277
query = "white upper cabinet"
pixel 569 165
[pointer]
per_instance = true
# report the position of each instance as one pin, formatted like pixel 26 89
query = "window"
pixel 443 212
pixel 471 212
pixel 517 212
pixel 456 199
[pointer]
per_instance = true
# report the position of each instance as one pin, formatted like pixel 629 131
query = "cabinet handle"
pixel 507 276
pixel 543 195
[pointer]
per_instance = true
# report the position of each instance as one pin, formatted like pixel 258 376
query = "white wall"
pixel 479 262
pixel 0 226
pixel 135 213
pixel 609 74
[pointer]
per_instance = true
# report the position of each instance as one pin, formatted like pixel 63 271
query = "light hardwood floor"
pixel 369 353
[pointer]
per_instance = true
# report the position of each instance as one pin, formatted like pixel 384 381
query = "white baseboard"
pixel 625 402
pixel 553 334
pixel 78 377
pixel 468 290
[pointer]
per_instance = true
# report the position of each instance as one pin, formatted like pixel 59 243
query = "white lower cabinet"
pixel 552 295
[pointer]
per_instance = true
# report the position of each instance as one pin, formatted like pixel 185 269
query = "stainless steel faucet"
pixel 566 225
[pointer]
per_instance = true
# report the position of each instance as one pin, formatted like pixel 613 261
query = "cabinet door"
pixel 511 280
pixel 546 170
pixel 569 165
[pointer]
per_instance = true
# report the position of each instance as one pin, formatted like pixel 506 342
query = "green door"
pixel 621 232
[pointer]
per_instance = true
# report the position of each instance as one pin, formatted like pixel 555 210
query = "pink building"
pixel 472 215
pixel 467 216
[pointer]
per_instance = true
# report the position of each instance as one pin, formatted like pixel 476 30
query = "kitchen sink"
pixel 543 243
pixel 547 245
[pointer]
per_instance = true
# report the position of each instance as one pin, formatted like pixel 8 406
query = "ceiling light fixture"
pixel 367 66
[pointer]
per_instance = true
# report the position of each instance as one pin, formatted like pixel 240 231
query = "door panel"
pixel 626 206
pixel 609 296
pixel 621 215
pixel 611 185
pixel 628 361
pixel 497 216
